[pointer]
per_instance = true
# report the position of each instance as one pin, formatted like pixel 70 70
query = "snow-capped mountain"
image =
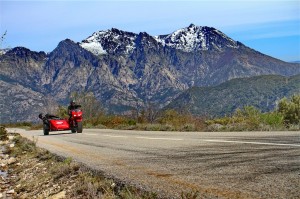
pixel 189 39
pixel 126 70
pixel 110 41
pixel 195 38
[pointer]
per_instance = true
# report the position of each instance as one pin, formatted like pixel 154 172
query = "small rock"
pixel 59 195
pixel 11 137
pixel 73 176
pixel 11 160
pixel 10 191
pixel 11 145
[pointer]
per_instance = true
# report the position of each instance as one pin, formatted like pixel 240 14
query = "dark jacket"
pixel 70 108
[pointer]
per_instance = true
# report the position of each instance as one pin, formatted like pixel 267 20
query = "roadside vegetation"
pixel 28 171
pixel 286 116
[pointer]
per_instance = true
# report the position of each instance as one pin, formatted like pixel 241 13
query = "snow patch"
pixel 94 47
pixel 110 41
pixel 4 50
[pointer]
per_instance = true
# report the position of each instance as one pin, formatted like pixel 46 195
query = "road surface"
pixel 214 164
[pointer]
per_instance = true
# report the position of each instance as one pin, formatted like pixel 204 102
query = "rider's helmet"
pixel 72 102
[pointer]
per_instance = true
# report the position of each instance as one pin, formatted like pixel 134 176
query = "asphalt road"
pixel 214 164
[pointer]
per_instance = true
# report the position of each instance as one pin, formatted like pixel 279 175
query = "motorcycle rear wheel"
pixel 79 127
pixel 73 130
pixel 46 129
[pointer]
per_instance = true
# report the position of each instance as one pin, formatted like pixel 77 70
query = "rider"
pixel 71 107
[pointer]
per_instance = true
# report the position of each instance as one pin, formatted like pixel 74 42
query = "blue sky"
pixel 271 26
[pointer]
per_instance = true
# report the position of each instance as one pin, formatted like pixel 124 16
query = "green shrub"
pixel 250 115
pixel 248 119
pixel 153 127
pixel 290 109
pixel 221 121
pixel 273 119
pixel 189 127
pixel 131 122
pixel 24 145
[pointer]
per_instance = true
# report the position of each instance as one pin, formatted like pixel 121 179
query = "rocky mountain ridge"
pixel 126 70
pixel 189 39
pixel 262 92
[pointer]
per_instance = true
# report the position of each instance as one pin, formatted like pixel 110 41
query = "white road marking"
pixel 179 139
pixel 150 138
pixel 258 143
pixel 115 136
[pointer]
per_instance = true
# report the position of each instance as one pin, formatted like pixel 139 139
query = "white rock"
pixel 113 185
pixel 2 165
pixel 59 195
pixel 11 160
pixel 4 142
pixel 11 137
pixel 10 191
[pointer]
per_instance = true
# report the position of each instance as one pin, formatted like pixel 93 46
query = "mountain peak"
pixel 67 47
pixel 66 42
pixel 25 52
pixel 195 38
pixel 192 25
pixel 113 41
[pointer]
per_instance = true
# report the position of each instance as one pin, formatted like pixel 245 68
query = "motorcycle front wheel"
pixel 79 127
pixel 73 127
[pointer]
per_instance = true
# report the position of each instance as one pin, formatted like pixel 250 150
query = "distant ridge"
pixel 262 92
